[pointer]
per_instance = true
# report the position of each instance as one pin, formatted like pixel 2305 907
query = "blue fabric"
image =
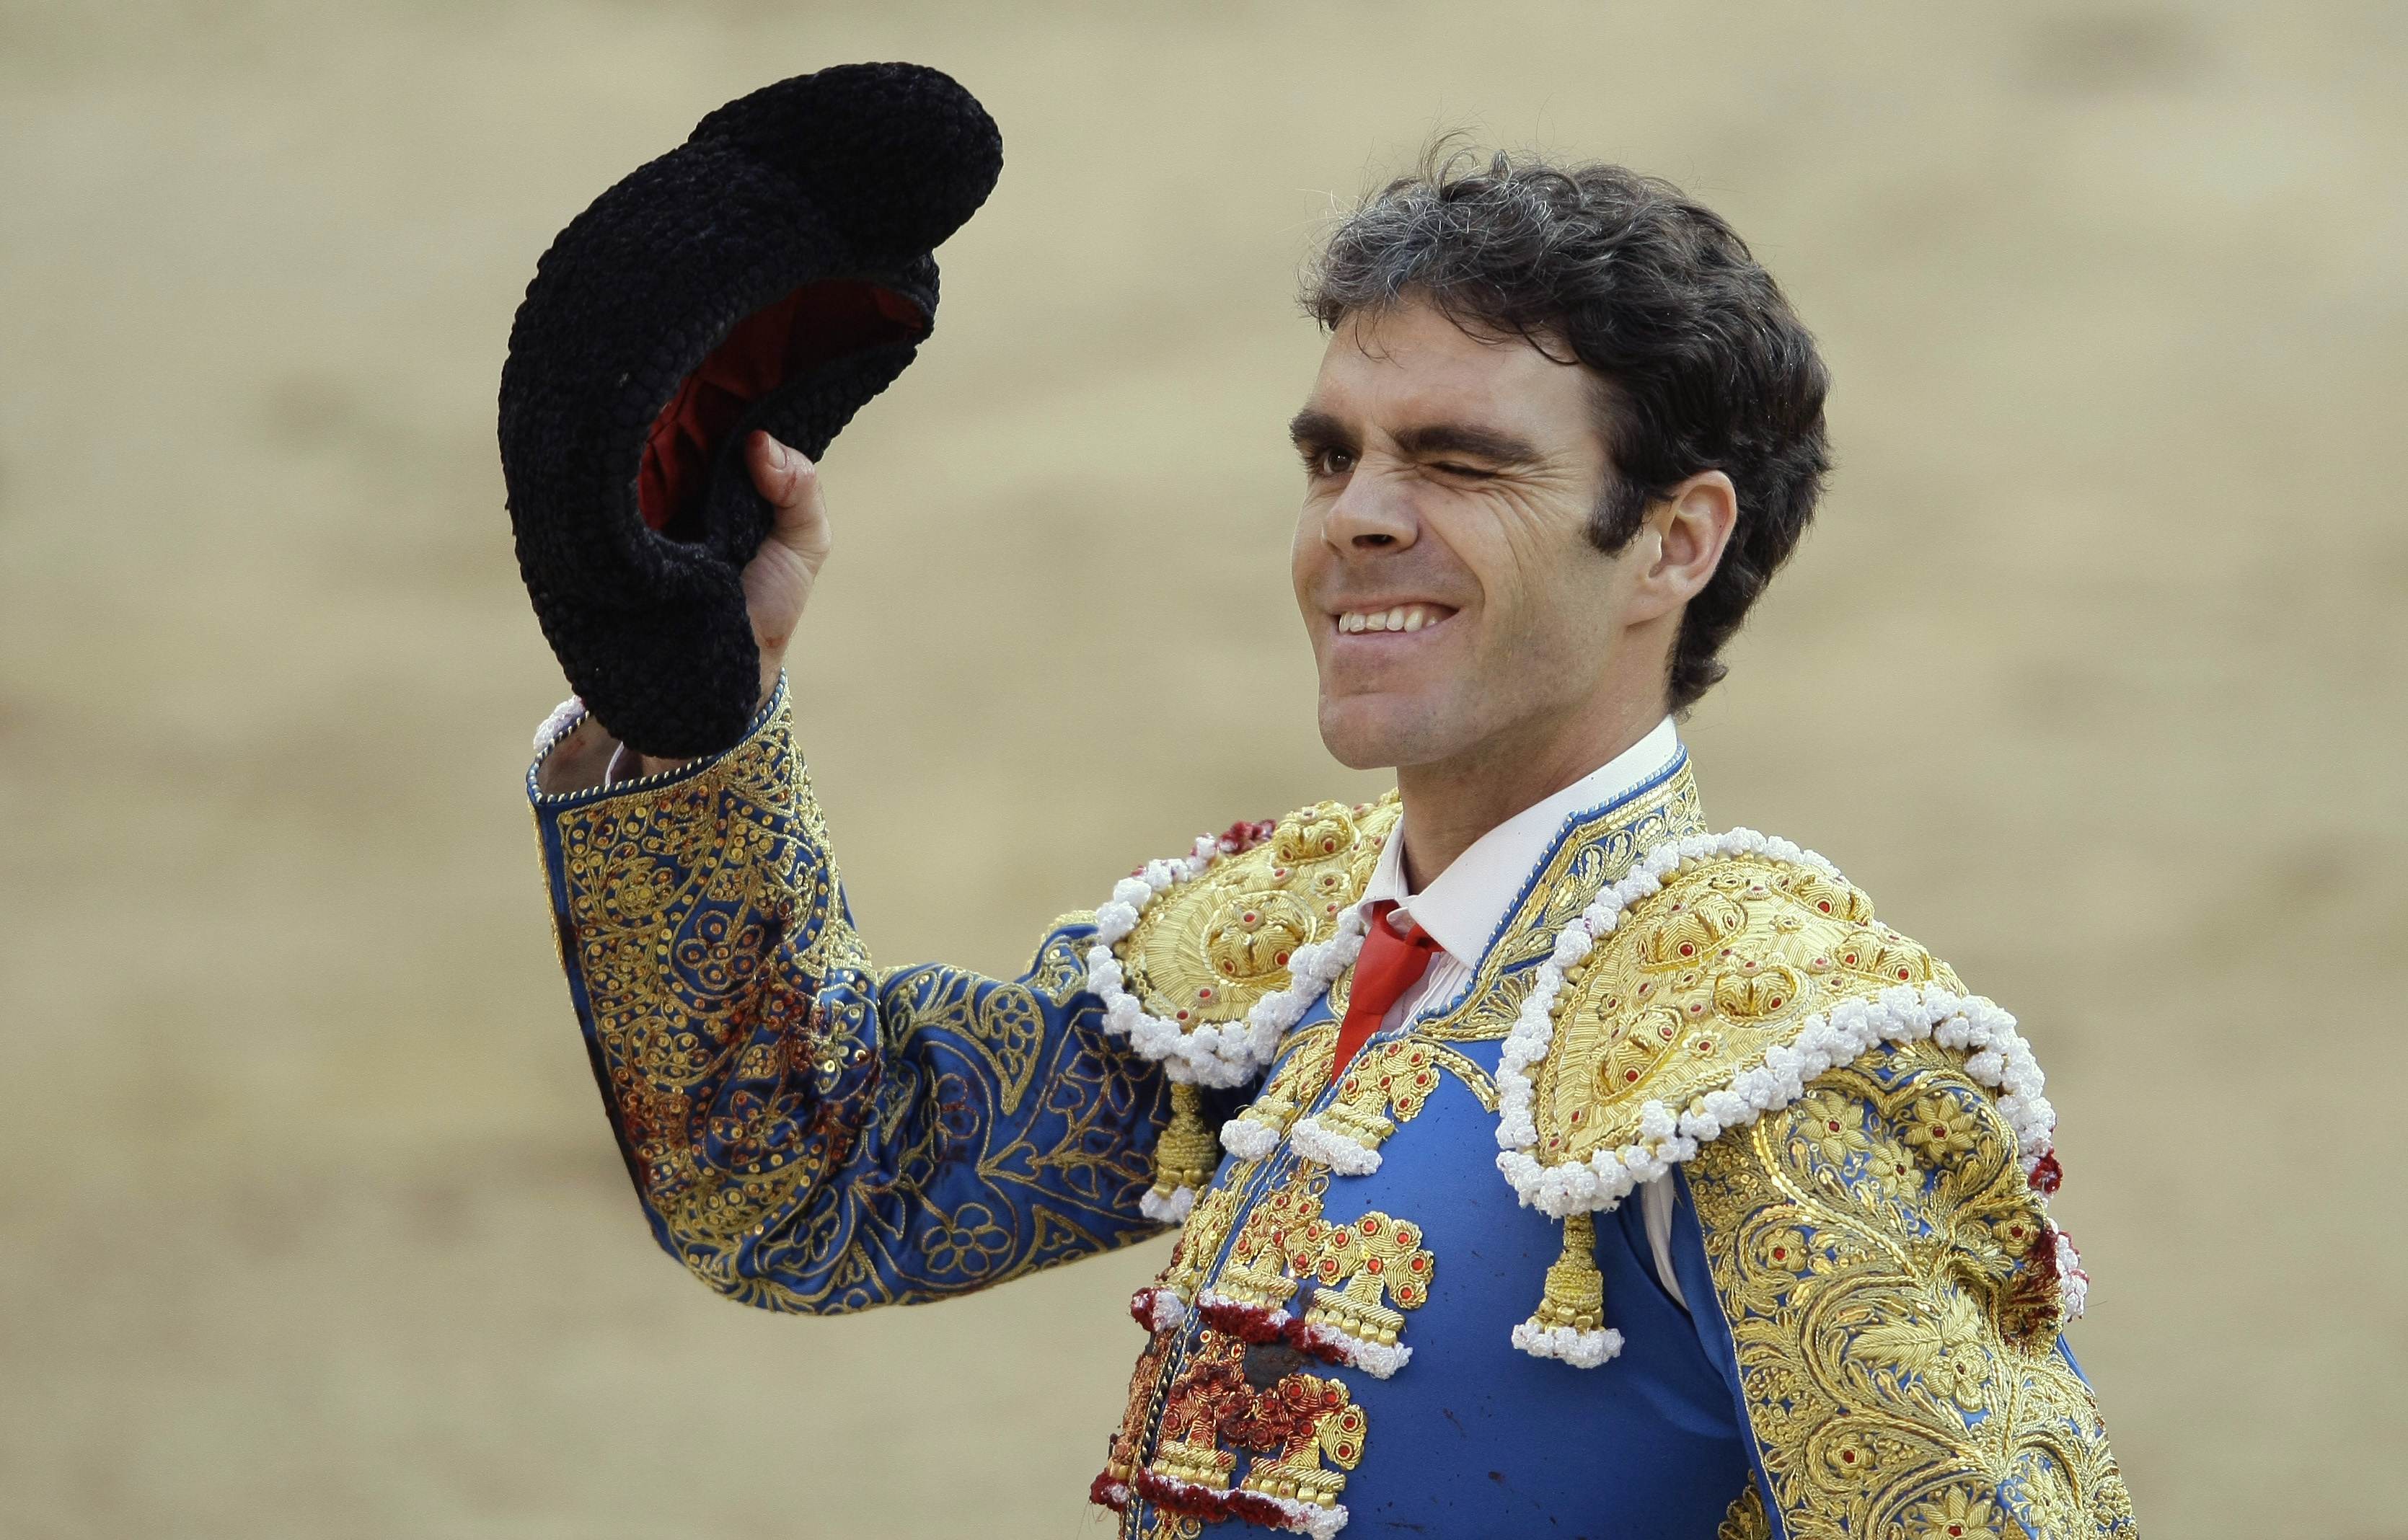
pixel 1473 1438
pixel 806 1132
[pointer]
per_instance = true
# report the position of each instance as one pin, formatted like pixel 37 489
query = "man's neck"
pixel 1450 803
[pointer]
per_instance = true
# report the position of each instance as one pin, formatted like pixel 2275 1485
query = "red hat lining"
pixel 809 327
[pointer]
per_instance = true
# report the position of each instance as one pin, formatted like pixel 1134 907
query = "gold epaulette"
pixel 1696 985
pixel 1203 962
pixel 1208 949
pixel 1704 991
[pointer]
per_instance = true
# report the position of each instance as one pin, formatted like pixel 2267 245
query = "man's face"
pixel 1457 607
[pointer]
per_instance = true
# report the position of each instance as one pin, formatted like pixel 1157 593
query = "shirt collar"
pixel 1463 905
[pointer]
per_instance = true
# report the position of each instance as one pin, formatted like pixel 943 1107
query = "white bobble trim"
pixel 1998 1057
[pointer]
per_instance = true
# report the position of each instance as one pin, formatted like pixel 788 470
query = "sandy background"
pixel 311 1224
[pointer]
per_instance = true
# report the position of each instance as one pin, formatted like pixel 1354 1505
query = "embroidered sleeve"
pixel 1892 1304
pixel 808 1133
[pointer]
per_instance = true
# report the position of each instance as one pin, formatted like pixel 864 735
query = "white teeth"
pixel 1400 618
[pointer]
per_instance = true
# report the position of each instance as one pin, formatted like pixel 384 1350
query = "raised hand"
pixel 778 580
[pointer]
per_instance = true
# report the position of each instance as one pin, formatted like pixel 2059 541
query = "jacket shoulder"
pixel 1707 988
pixel 1195 944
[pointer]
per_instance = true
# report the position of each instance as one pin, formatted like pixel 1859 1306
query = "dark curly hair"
pixel 1698 361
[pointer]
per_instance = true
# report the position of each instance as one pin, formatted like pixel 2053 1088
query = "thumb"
pixel 791 484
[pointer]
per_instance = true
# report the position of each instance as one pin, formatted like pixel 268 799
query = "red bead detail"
pixel 2048 1174
pixel 1244 836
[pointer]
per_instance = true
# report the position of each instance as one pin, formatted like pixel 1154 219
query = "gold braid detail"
pixel 1746 1520
pixel 1865 1244
pixel 786 1110
pixel 1594 854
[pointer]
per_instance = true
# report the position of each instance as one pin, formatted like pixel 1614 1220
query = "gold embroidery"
pixel 1290 1428
pixel 1746 1519
pixel 1128 1439
pixel 1382 1088
pixel 1216 1206
pixel 1355 1266
pixel 1367 1111
pixel 1364 1274
pixel 1386 1086
pixel 1200 1239
pixel 1304 1068
pixel 1592 855
pixel 1316 1420
pixel 1696 983
pixel 738 1025
pixel 1890 1377
pixel 672 896
pixel 1205 950
pixel 1257 1272
pixel 1210 1387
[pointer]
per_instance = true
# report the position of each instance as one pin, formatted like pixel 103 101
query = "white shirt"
pixel 1465 905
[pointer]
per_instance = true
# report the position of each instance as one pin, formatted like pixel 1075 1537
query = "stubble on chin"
pixel 1368 733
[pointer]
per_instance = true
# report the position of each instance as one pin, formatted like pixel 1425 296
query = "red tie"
pixel 1389 965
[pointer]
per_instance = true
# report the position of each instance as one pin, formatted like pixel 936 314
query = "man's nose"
pixel 1374 512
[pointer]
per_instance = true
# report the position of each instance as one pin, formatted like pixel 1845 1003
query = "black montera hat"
pixel 774 271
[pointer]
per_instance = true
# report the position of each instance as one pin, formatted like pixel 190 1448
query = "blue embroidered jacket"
pixel 1364 1322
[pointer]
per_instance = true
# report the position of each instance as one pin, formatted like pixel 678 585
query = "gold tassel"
pixel 1188 1151
pixel 1575 1294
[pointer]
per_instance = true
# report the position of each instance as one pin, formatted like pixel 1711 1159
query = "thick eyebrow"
pixel 1313 430
pixel 1489 444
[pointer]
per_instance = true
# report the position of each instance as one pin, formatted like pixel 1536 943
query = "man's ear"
pixel 1687 535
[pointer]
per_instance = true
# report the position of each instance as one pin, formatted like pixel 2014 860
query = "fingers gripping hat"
pixel 774 271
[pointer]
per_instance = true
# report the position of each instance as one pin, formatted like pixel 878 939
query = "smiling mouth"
pixel 1412 616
